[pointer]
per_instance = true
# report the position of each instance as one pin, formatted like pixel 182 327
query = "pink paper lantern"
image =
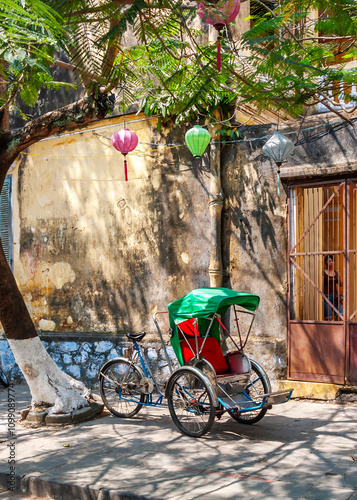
pixel 125 141
pixel 218 15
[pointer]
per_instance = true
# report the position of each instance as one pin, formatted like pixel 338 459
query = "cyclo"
pixel 207 382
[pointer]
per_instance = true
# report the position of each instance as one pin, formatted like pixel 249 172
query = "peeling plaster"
pixel 47 325
pixel 185 257
pixel 61 273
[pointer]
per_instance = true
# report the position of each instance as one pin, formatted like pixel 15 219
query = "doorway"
pixel 322 317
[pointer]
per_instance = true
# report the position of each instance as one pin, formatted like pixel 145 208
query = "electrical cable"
pixel 158 147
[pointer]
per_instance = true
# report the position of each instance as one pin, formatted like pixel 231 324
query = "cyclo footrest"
pixel 243 402
pixel 271 398
pixel 275 398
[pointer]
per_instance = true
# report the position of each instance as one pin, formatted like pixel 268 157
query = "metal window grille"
pixel 6 220
pixel 316 231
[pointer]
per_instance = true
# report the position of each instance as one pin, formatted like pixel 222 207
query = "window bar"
pixel 341 225
pixel 317 216
pixel 314 285
pixel 327 230
pixel 354 246
pixel 332 242
pixel 341 207
pixel 308 259
pixel 314 260
pixel 351 243
pixel 353 253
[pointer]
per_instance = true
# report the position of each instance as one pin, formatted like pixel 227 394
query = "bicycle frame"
pixel 138 356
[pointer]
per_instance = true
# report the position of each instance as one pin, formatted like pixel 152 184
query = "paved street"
pixel 299 450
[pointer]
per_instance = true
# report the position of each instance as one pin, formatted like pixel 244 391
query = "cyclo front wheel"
pixel 257 386
pixel 190 403
pixel 119 385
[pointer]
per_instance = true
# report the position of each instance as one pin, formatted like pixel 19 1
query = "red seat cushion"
pixel 188 328
pixel 211 352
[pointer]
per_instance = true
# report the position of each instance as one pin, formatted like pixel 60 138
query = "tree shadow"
pixel 252 218
pixel 294 442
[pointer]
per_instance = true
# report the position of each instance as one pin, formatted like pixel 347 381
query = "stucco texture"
pixel 97 254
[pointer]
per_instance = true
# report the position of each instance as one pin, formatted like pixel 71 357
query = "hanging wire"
pixel 134 153
pixel 301 124
pixel 170 146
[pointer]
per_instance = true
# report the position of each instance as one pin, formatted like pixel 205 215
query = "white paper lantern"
pixel 278 147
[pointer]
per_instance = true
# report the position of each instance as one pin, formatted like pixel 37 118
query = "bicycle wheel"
pixel 190 403
pixel 119 385
pixel 256 386
pixel 4 381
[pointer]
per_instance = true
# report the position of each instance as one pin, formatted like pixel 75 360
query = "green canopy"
pixel 203 303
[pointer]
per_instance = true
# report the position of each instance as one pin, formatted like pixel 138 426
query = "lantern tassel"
pixel 125 169
pixel 219 54
pixel 278 182
pixel 219 50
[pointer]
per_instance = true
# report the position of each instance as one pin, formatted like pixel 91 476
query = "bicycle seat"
pixel 136 337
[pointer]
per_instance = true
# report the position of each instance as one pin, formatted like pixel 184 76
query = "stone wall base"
pixel 82 356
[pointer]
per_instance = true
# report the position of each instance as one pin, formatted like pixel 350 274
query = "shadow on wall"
pixel 252 217
pixel 119 249
pixel 335 143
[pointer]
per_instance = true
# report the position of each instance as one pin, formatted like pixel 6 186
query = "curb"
pixel 50 489
pixel 40 418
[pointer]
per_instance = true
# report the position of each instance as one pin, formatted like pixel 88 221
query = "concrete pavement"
pixel 300 449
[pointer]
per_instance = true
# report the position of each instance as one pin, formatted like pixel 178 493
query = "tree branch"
pixel 80 71
pixel 81 112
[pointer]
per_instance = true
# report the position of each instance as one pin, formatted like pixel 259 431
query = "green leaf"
pixel 29 95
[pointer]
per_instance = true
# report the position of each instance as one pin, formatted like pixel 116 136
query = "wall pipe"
pixel 215 208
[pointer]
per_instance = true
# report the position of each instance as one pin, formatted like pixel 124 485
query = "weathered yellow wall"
pixel 95 253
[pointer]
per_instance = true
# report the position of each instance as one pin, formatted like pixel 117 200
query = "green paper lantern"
pixel 197 139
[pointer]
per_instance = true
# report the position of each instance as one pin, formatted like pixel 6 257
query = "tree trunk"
pixel 47 383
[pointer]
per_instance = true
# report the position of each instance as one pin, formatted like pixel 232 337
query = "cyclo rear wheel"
pixel 190 403
pixel 257 386
pixel 119 385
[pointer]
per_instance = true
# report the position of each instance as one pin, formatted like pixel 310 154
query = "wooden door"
pixel 323 321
